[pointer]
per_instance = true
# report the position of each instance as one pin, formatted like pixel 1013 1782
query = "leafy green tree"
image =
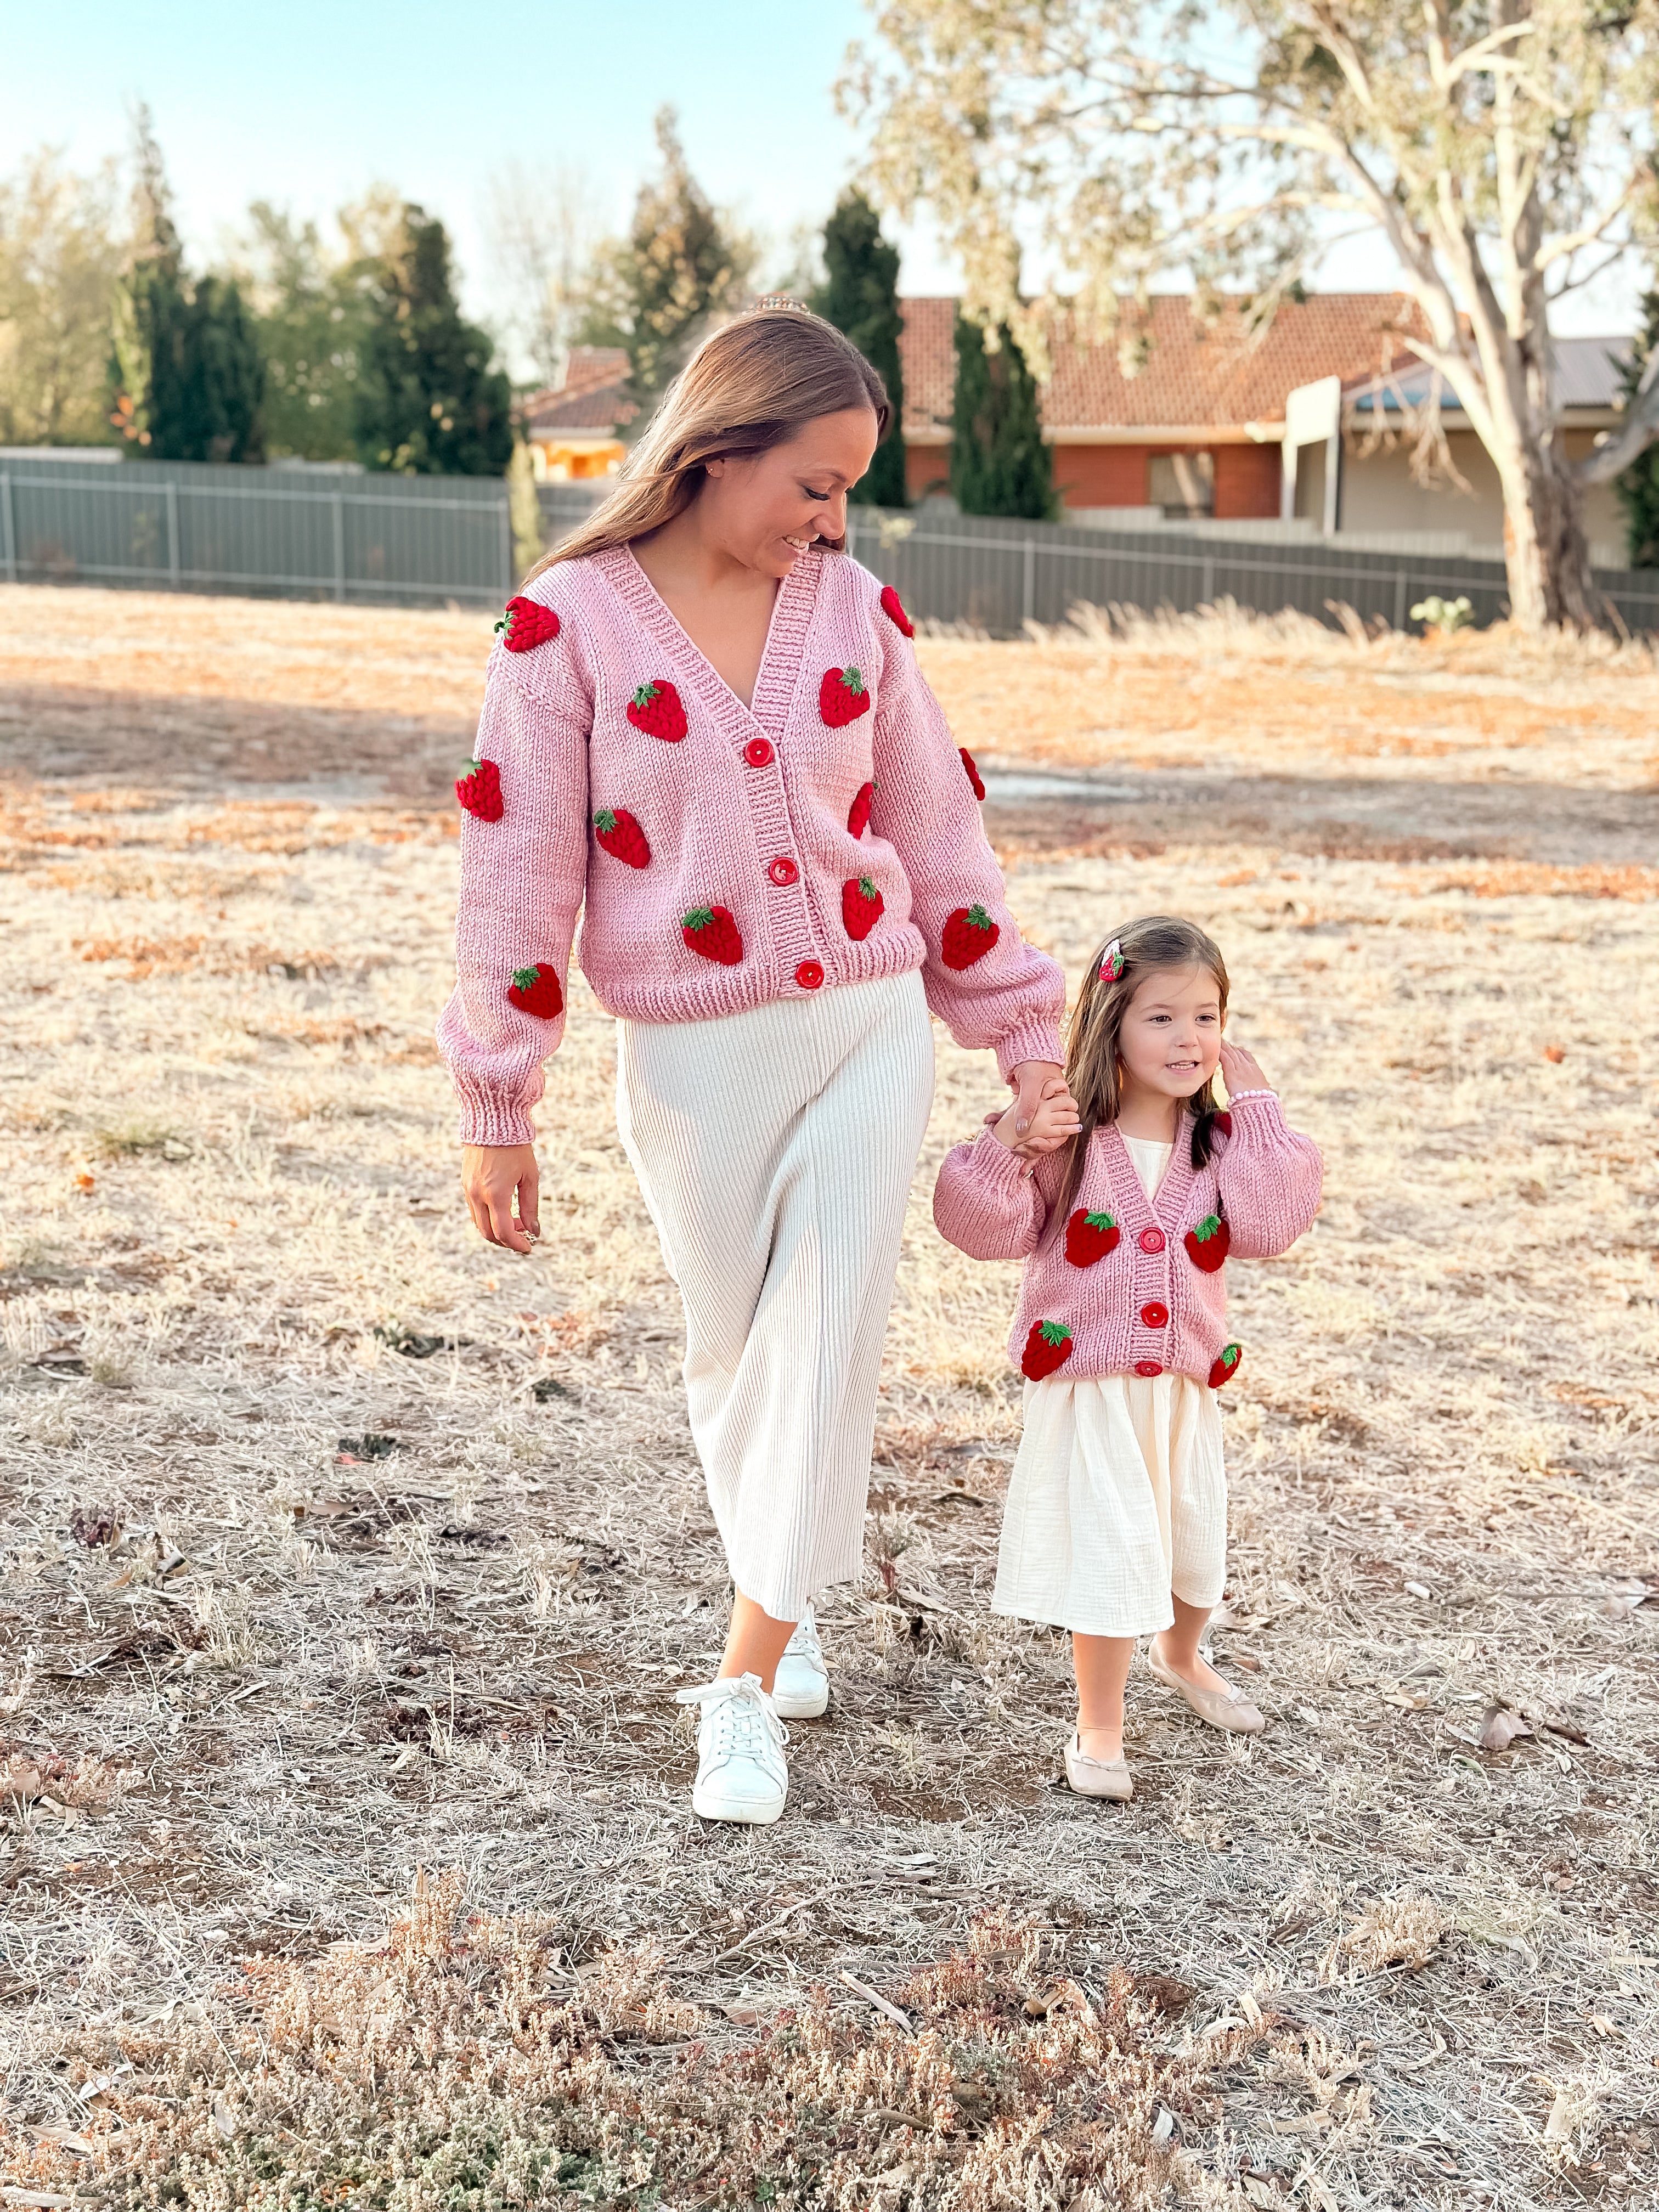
pixel 1638 487
pixel 860 296
pixel 311 319
pixel 60 258
pixel 680 270
pixel 429 401
pixel 999 463
pixel 188 374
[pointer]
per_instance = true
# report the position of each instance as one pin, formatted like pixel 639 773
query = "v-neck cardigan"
pixel 1146 1307
pixel 748 811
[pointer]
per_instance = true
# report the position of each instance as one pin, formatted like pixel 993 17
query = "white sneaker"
pixel 742 1773
pixel 800 1690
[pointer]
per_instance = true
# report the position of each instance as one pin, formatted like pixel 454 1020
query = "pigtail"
pixel 1204 1106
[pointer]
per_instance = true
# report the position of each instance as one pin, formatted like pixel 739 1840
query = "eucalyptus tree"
pixel 1503 149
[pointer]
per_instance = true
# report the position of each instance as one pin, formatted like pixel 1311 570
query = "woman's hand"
pixel 490 1176
pixel 1241 1071
pixel 1044 1115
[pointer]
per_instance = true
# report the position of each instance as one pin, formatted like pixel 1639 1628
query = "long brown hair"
pixel 751 385
pixel 1093 1068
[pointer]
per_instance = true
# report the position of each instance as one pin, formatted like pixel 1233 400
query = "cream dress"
pixel 1118 1496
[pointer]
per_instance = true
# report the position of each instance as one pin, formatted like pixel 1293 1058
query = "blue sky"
pixel 307 102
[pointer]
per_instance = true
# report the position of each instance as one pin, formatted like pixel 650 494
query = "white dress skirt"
pixel 776 1149
pixel 1118 1496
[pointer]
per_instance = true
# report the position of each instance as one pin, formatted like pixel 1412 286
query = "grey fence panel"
pixel 304 534
pixel 998 574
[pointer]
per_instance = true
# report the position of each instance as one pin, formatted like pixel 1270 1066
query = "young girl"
pixel 705 730
pixel 1116 1519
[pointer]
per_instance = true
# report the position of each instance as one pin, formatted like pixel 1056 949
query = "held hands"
pixel 1044 1115
pixel 1241 1071
pixel 490 1176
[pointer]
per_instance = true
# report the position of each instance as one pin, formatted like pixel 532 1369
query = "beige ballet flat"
pixel 1098 1778
pixel 1219 1707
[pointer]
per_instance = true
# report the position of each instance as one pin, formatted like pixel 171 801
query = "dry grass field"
pixel 348 1566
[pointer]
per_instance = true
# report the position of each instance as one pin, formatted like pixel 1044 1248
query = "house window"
pixel 1182 484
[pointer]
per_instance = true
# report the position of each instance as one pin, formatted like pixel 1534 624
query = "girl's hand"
pixel 1241 1071
pixel 1042 1125
pixel 490 1176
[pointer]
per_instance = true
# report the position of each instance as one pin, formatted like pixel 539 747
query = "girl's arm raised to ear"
pixel 1269 1175
pixel 987 1202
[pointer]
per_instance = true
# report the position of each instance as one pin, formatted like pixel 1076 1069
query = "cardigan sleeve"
pixel 522 884
pixel 1010 998
pixel 1269 1178
pixel 987 1202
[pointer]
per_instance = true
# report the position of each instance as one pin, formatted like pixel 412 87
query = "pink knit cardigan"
pixel 1151 1302
pixel 755 809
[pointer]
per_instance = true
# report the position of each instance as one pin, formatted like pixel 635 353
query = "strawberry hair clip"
pixel 1111 962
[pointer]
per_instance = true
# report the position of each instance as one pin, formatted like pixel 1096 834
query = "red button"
pixel 1155 1316
pixel 809 975
pixel 1151 1239
pixel 758 752
pixel 783 870
pixel 1148 1367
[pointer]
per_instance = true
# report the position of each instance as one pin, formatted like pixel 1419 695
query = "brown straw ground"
pixel 347 1567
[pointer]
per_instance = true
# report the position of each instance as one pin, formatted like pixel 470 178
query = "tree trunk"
pixel 1545 549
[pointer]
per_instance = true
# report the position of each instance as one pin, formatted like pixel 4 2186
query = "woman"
pixel 705 726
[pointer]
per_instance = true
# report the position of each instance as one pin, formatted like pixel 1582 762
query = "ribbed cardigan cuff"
pixel 1035 1039
pixel 992 1163
pixel 487 1117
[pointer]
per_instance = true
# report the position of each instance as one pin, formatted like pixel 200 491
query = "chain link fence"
pixel 292 533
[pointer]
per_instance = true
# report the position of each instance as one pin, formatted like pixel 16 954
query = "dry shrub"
pixel 1390 1931
pixel 466 2062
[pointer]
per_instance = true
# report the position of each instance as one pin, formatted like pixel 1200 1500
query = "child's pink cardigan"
pixel 749 811
pixel 1148 1305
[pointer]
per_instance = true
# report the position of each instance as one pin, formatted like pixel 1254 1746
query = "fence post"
pixel 1207 581
pixel 1028 582
pixel 337 503
pixel 1399 598
pixel 8 528
pixel 172 490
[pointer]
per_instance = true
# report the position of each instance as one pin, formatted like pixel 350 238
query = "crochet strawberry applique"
pixel 1227 1366
pixel 974 775
pixel 616 830
pixel 478 787
pixel 1221 1123
pixel 861 907
pixel 858 814
pixel 1048 1346
pixel 843 696
pixel 893 607
pixel 1206 1245
pixel 525 625
pixel 711 931
pixel 968 935
pixel 1090 1236
pixel 536 991
pixel 655 708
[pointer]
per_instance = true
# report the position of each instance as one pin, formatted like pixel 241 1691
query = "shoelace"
pixel 745 1721
pixel 804 1641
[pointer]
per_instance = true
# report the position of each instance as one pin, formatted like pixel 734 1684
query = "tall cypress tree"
pixel 860 296
pixel 999 463
pixel 681 269
pixel 186 372
pixel 428 402
pixel 1638 487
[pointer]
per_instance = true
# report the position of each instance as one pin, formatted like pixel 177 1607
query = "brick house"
pixel 571 428
pixel 1198 431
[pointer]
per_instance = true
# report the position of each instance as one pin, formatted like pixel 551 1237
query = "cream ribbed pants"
pixel 775 1149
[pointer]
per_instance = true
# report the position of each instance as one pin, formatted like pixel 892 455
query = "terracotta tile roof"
pixel 590 398
pixel 1194 374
